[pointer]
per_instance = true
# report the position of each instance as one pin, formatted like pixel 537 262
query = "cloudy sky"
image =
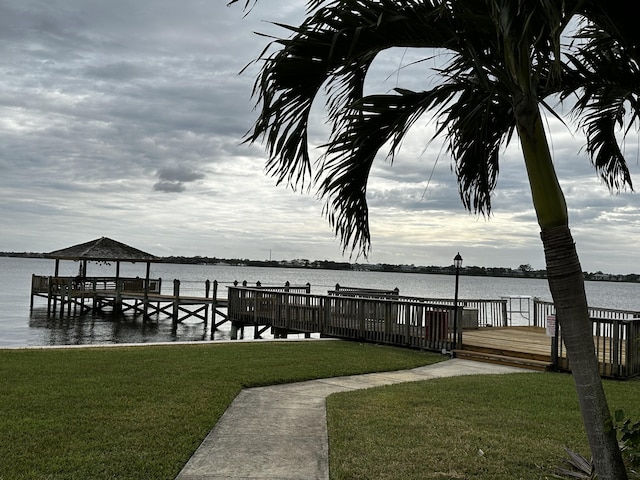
pixel 125 119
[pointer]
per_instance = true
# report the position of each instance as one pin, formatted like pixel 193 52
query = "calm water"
pixel 19 327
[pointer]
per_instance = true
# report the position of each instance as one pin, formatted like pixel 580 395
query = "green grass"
pixel 498 427
pixel 139 413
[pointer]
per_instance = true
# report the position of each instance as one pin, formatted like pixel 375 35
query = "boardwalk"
pixel 421 323
pixel 476 329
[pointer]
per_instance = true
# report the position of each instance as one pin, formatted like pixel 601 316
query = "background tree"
pixel 525 268
pixel 507 59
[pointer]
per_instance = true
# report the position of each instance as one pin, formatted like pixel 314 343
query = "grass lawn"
pixel 498 427
pixel 140 412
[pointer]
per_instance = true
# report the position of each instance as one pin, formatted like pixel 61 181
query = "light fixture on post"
pixel 457 262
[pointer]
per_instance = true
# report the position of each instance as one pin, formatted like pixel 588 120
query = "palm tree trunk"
pixel 566 283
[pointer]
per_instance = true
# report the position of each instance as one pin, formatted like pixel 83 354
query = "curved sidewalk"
pixel 280 432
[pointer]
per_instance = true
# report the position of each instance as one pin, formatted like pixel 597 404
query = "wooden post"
pixel 159 292
pixel 214 306
pixel 207 289
pixel 287 310
pixel 68 288
pixel 234 331
pixel 555 360
pixel 235 328
pixel 407 322
pixel 117 305
pixel 33 278
pixel 50 296
pixel 325 303
pixel 61 291
pixel 94 293
pixel 615 351
pixel 145 299
pixel 176 300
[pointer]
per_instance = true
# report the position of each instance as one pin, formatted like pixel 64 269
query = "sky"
pixel 126 119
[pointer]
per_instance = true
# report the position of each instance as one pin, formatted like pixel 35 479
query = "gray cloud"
pixel 169 187
pixel 173 179
pixel 117 107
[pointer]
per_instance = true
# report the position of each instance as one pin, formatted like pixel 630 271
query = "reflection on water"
pixel 107 328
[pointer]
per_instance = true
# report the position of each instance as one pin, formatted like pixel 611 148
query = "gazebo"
pixel 75 290
pixel 102 249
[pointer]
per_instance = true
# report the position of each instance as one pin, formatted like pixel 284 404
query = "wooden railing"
pixel 616 336
pixel 543 309
pixel 287 287
pixel 406 322
pixel 50 284
pixel 364 292
pixel 617 345
pixel 479 313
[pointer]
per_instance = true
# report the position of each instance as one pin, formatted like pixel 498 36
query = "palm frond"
pixel 367 125
pixel 606 81
pixel 336 46
pixel 478 124
pixel 501 51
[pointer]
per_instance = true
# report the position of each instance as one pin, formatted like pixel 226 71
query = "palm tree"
pixel 507 59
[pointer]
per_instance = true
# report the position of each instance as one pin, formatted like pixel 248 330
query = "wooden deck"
pixel 418 323
pixel 531 347
pixel 528 347
pixel 363 315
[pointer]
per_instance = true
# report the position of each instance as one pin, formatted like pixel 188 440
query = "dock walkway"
pixel 474 329
pixel 464 330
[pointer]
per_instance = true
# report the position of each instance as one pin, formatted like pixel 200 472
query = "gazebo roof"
pixel 102 249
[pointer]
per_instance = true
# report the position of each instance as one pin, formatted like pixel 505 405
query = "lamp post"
pixel 457 262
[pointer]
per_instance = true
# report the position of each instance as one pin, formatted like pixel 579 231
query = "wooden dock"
pixel 476 329
pixel 72 296
pixel 528 347
pixel 419 323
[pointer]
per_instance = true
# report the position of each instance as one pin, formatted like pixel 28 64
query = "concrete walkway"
pixel 280 432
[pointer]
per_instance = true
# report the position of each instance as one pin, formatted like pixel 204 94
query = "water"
pixel 19 327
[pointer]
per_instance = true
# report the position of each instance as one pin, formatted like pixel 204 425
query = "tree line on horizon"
pixel 523 271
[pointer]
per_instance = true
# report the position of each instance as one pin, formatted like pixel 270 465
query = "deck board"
pixel 527 341
pixel 533 343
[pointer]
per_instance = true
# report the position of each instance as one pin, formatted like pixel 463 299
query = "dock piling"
pixel 176 300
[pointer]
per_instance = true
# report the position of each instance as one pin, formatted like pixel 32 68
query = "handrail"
pixel 542 309
pixel 287 287
pixel 366 292
pixel 617 347
pixel 396 321
pixel 491 312
pixel 45 284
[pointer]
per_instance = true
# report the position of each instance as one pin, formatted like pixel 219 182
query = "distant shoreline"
pixel 524 271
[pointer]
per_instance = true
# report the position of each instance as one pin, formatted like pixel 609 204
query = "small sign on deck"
pixel 551 325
